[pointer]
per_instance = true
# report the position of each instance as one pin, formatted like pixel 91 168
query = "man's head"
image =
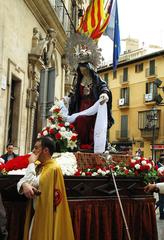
pixel 45 147
pixel 10 148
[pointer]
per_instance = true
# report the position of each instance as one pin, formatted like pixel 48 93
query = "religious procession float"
pixel 105 189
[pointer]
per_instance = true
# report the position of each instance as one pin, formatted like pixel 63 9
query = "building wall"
pixel 137 86
pixel 17 21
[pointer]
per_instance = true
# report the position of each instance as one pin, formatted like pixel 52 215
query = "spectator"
pixel 139 152
pixel 160 203
pixel 10 153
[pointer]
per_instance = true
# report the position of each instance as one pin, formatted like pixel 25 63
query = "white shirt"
pixel 29 177
pixel 161 187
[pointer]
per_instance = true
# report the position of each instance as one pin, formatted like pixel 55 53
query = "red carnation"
pixel 147 167
pixel 88 174
pixel 58 135
pixel 78 173
pixel 51 131
pixel 71 126
pixel 61 124
pixel 57 110
pixel 132 165
pixel 60 119
pixel 156 167
pixel 51 119
pixel 126 171
pixel 74 138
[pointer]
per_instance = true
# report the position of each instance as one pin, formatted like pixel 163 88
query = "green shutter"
pixel 124 126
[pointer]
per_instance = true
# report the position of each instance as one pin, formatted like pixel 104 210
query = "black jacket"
pixel 6 155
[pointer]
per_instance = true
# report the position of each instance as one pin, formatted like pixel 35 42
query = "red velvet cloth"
pixel 102 219
pixel 98 219
pixel 85 124
pixel 16 163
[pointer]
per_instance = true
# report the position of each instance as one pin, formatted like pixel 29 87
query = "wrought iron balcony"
pixel 151 72
pixel 123 102
pixel 147 133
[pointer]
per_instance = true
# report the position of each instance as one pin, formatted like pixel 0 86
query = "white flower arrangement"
pixel 68 163
pixel 62 132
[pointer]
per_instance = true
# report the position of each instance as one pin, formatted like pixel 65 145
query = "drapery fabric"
pixel 102 219
pixel 97 219
pixel 100 130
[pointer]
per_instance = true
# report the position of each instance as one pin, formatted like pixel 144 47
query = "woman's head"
pixel 83 68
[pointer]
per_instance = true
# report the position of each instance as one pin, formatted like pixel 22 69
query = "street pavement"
pixel 160 226
pixel 160 223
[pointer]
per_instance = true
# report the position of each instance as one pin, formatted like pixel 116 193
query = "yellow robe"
pixel 52 220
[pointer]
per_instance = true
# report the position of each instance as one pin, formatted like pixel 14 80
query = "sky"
pixel 139 19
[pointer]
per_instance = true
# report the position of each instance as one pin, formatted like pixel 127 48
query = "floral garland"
pixel 138 166
pixel 62 132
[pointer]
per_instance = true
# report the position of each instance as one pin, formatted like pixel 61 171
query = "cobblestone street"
pixel 160 226
pixel 160 223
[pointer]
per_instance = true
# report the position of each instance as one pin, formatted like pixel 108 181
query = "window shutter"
pixel 127 96
pixel 147 88
pixel 125 74
pixel 152 67
pixel 124 126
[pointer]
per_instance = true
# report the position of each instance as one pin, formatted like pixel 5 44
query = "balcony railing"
pixel 122 134
pixel 122 102
pixel 144 121
pixel 151 72
pixel 149 97
pixel 123 79
pixel 148 133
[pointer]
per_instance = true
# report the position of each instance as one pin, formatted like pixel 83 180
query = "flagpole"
pixel 107 3
pixel 121 207
pixel 108 158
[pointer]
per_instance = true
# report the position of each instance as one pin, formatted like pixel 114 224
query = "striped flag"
pixel 95 20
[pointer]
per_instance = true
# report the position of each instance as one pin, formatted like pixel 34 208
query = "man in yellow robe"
pixel 47 216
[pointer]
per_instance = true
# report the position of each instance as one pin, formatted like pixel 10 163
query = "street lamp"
pixel 152 118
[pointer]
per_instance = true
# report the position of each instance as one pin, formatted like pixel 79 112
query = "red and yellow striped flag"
pixel 95 19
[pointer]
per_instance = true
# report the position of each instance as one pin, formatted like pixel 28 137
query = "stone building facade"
pixel 32 40
pixel 138 99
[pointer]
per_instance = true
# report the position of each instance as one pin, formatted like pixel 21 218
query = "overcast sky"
pixel 141 19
